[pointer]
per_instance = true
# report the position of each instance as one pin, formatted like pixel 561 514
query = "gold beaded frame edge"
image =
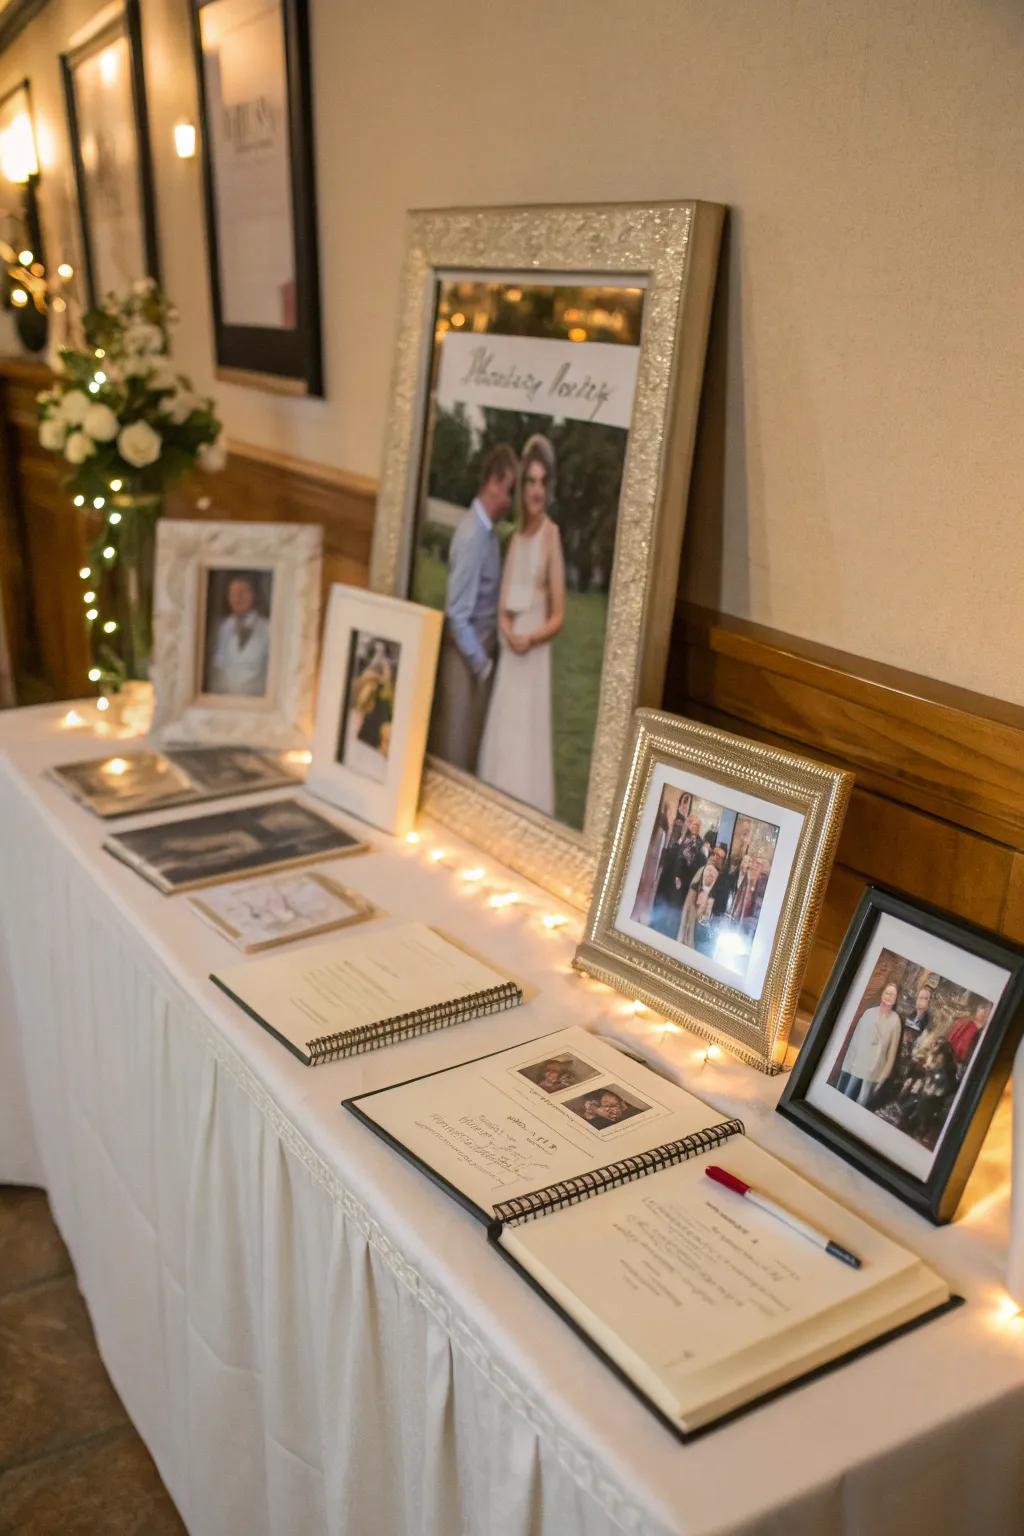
pixel 755 1031
pixel 673 247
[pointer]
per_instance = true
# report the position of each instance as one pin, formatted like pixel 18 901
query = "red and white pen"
pixel 819 1239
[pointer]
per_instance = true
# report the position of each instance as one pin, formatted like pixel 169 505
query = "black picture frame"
pixel 938 1196
pixel 129 25
pixel 289 360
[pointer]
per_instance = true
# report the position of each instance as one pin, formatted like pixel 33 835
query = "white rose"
pixel 78 448
pixel 74 406
pixel 143 338
pixel 138 444
pixel 101 423
pixel 181 405
pixel 162 376
pixel 52 433
pixel 143 285
pixel 212 456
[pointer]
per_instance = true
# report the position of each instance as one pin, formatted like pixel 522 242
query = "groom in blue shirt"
pixel 469 645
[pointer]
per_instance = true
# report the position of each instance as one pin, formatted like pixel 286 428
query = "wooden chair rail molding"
pixel 938 806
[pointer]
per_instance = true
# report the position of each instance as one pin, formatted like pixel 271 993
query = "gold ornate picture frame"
pixel 712 882
pixel 581 269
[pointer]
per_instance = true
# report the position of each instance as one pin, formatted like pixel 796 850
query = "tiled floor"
pixel 70 1461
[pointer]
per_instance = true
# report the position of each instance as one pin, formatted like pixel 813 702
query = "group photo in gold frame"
pixel 713 879
pixel 545 395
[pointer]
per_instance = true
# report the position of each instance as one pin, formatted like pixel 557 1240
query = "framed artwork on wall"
pixel 910 1048
pixel 545 395
pixel 710 891
pixel 376 686
pixel 236 616
pixel 253 66
pixel 105 95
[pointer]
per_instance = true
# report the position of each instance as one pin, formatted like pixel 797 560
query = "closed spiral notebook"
pixel 589 1172
pixel 365 991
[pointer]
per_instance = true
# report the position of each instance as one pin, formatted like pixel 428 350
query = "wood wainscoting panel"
pixel 260 486
pixel 938 807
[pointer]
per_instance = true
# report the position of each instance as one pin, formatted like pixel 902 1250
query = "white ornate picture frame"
pixel 373 707
pixel 669 251
pixel 260 692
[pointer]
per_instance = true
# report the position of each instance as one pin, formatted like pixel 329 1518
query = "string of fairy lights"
pixel 104 550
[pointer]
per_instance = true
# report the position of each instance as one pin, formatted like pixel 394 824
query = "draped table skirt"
pixel 312 1339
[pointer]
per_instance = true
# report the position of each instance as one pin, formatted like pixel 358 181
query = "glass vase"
pixel 123 654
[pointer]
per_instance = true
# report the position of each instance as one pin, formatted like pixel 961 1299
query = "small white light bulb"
pixel 115 485
pixel 65 270
pixel 109 552
pixel 92 613
pixel 102 704
pixel 109 626
pixel 79 501
pixel 115 518
pixel 94 674
pixel 85 573
pixel 88 597
pixel 98 502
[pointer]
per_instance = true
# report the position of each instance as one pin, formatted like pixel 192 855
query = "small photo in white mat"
pixel 373 708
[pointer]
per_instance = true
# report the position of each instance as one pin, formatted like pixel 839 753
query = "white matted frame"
pixel 187 554
pixel 671 251
pixel 411 634
pixel 750 1008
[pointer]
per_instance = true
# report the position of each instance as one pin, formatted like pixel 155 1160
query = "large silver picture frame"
pixel 672 249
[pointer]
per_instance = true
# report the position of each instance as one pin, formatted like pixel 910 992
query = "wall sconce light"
pixel 185 140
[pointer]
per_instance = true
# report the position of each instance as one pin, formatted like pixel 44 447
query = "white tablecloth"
pixel 312 1338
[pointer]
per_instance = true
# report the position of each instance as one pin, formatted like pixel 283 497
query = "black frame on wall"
pixel 129 25
pixel 288 360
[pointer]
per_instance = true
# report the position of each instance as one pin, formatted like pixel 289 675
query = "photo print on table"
pixel 523 498
pixel 364 740
pixel 236 653
pixel 703 881
pixel 909 1048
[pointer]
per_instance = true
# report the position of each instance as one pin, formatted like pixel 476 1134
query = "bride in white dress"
pixel 516 753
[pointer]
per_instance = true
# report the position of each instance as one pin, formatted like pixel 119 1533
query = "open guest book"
pixel 354 994
pixel 589 1171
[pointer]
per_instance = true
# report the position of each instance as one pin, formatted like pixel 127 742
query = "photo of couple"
pixel 910 1046
pixel 704 876
pixel 369 707
pixel 516 531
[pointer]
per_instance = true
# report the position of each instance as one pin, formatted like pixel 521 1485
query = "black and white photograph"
pixel 369 708
pixel 909 1048
pixel 237 638
pixel 233 770
pixel 184 854
pixel 606 1107
pixel 123 783
pixel 557 1073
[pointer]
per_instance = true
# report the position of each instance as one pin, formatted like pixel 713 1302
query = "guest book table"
pixel 311 1338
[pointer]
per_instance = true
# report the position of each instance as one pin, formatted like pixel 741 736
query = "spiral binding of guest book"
pixel 402 1026
pixel 572 1191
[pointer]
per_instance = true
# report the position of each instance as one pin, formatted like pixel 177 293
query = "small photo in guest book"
pixel 376 687
pixel 910 1048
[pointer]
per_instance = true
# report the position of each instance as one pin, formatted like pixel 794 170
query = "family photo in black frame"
pixel 910 1048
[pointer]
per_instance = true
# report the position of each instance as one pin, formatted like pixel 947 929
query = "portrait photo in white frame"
pixel 379 661
pixel 236 613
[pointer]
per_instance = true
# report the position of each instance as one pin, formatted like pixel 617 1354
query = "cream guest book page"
pixel 706 1302
pixel 500 1127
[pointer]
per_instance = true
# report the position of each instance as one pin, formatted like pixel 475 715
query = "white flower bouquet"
pixel 119 412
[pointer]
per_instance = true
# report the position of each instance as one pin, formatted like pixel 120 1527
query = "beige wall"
pixel 872 153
